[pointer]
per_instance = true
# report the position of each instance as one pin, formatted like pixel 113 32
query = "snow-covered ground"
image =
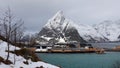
pixel 19 59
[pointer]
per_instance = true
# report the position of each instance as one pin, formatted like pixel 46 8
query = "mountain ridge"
pixel 60 26
pixel 109 29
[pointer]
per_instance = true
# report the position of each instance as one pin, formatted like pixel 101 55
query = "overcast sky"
pixel 35 13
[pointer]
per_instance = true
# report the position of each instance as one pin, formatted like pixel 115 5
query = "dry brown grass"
pixel 27 54
pixel 2 60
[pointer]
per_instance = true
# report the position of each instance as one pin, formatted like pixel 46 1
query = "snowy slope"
pixel 89 33
pixel 19 59
pixel 109 29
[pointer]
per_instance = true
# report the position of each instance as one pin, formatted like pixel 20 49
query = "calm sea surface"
pixel 86 60
pixel 78 60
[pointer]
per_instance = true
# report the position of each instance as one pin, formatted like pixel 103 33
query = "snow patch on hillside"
pixel 88 32
pixel 109 29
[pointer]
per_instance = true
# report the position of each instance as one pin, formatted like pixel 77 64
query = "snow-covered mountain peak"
pixel 58 15
pixel 88 32
pixel 56 21
pixel 109 29
pixel 58 25
pixel 59 22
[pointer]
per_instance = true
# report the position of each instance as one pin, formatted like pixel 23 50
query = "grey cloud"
pixel 35 13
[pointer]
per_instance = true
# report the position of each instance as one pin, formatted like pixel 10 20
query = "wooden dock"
pixel 98 51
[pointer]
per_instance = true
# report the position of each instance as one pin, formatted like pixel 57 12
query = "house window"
pixel 44 47
pixel 38 47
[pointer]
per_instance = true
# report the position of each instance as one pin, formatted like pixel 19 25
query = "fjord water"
pixel 105 45
pixel 77 60
pixel 86 60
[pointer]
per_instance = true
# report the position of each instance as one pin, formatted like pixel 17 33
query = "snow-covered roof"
pixel 61 40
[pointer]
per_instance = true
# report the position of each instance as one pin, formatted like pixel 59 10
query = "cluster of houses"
pixel 66 47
